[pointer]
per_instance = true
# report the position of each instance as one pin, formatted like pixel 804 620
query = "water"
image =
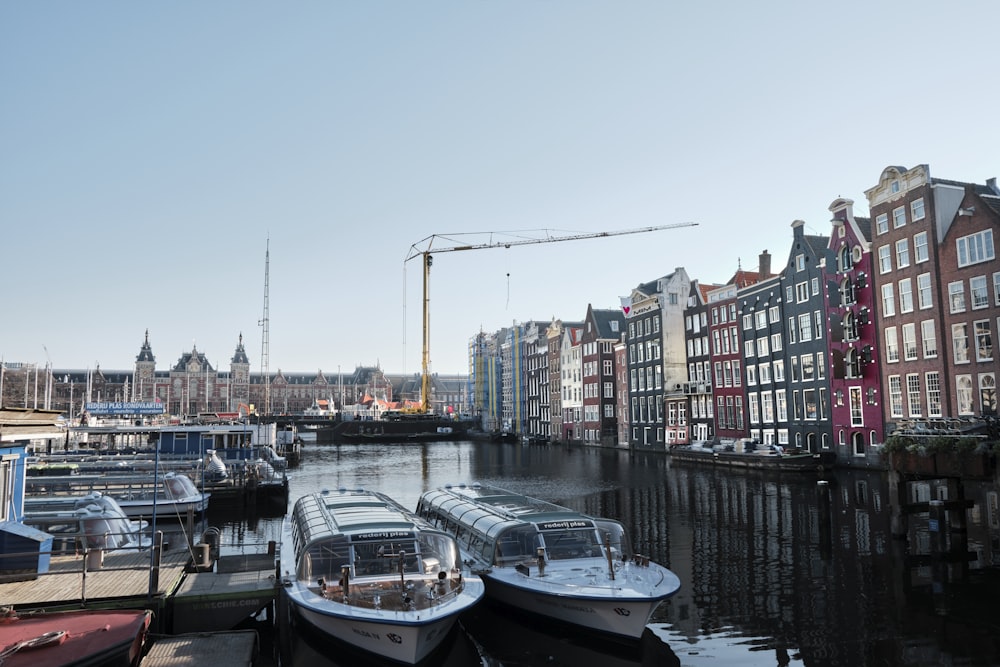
pixel 775 570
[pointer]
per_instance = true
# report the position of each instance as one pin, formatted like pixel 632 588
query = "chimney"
pixel 991 183
pixel 764 266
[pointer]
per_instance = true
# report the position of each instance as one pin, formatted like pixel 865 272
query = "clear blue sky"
pixel 148 151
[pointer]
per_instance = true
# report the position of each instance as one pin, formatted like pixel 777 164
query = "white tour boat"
pixel 550 560
pixel 361 568
pixel 92 521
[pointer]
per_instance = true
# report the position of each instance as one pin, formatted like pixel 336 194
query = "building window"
pixel 882 223
pixel 929 338
pixel 800 262
pixel 910 341
pixel 809 404
pixel 988 393
pixel 902 253
pixel 805 327
pixel 917 209
pixel 781 403
pixel 884 259
pixel 776 342
pixel 956 297
pixel 984 341
pixel 905 296
pixel 963 385
pixel 888 300
pixel 778 368
pixel 979 292
pixel 933 381
pixel 960 342
pixel 898 217
pixel 924 296
pixel 895 396
pixel 913 394
pixel 760 319
pixel 857 411
pixel 920 247
pixel 814 285
pixel 975 248
pixel 774 316
pixel 801 292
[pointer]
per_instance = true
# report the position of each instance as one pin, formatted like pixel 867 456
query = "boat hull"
pixel 610 614
pixel 405 643
pixel 398 431
pixel 808 462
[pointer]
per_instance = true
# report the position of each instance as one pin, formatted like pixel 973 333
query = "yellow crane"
pixel 426 248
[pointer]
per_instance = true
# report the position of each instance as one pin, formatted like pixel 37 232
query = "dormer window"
pixel 894 187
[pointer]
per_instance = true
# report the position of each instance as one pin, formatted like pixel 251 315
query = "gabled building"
pixel 571 382
pixel 601 330
pixel 762 333
pixel 657 361
pixel 939 291
pixel 698 388
pixel 853 344
pixel 726 356
pixel 555 335
pixel 810 427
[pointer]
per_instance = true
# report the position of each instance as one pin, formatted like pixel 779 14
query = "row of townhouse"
pixel 885 325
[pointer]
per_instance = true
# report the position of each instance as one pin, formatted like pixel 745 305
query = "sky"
pixel 164 165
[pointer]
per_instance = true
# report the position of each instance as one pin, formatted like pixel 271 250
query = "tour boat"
pixel 550 560
pixel 92 521
pixel 362 569
pixel 173 494
pixel 91 638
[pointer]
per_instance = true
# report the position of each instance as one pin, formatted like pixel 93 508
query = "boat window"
pixel 438 553
pixel 516 544
pixel 378 558
pixel 614 532
pixel 324 559
pixel 566 544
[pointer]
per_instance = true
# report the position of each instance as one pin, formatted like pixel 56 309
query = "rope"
pixel 48 639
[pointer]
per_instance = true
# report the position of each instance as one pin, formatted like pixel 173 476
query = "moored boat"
pixel 91 638
pixel 550 560
pixel 760 459
pixel 92 521
pixel 172 494
pixel 361 568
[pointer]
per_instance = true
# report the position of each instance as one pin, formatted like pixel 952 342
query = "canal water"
pixel 776 569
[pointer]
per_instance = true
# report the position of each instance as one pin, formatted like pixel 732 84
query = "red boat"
pixel 87 638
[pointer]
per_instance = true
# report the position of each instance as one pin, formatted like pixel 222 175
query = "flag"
pixel 626 304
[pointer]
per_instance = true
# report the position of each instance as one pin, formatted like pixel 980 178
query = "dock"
pixel 239 587
pixel 112 580
pixel 219 649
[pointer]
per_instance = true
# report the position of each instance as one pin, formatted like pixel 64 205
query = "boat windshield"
pixel 613 533
pixel 571 543
pixel 516 544
pixel 426 553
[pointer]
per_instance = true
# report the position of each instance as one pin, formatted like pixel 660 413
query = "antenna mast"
pixel 265 340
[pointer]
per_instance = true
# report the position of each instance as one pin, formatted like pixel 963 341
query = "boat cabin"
pixel 361 538
pixel 503 530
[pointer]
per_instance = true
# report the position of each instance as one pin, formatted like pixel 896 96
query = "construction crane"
pixel 426 248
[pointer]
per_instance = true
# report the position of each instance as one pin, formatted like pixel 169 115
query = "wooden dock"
pixel 121 582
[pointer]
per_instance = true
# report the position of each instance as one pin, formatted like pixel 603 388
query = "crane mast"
pixel 425 250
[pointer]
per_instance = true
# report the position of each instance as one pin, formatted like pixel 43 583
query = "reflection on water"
pixel 775 570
